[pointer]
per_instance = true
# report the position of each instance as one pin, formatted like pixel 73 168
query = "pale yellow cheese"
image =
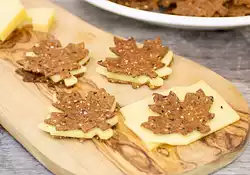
pixel 137 113
pixel 28 21
pixel 12 14
pixel 168 58
pixel 40 18
pixel 153 82
pixel 71 80
pixel 11 1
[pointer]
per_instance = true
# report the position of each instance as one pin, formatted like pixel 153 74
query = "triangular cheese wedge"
pixel 40 18
pixel 13 14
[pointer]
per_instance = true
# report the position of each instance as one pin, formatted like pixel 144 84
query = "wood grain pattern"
pixel 228 145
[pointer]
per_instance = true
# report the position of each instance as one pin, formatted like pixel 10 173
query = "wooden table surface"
pixel 225 52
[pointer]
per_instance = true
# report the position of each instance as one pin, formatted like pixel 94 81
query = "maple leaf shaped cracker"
pixel 137 65
pixel 82 117
pixel 180 117
pixel 48 58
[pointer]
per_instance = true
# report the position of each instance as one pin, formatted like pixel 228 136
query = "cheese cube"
pixel 41 18
pixel 12 14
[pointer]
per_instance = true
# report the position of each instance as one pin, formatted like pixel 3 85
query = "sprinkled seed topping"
pixel 82 113
pixel 180 117
pixel 51 59
pixel 136 61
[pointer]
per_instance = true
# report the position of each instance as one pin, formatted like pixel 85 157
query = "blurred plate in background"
pixel 173 20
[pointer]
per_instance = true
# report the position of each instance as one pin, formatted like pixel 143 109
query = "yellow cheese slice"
pixel 40 18
pixel 13 14
pixel 137 113
pixel 153 82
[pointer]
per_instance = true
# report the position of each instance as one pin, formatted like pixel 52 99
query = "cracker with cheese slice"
pixel 82 117
pixel 138 114
pixel 146 65
pixel 50 59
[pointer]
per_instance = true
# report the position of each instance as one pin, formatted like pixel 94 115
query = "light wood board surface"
pixel 92 37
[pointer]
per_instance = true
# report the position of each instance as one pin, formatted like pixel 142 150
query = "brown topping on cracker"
pixel 180 117
pixel 136 61
pixel 242 2
pixel 82 113
pixel 207 8
pixel 168 3
pixel 46 46
pixel 139 4
pixel 200 8
pixel 52 59
pixel 29 77
pixel 238 10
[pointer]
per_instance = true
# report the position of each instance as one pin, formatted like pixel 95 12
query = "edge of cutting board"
pixel 72 157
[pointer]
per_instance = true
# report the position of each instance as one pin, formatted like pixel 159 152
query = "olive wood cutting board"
pixel 24 105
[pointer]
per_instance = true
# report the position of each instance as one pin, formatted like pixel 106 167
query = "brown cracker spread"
pixel 168 3
pixel 200 8
pixel 242 2
pixel 29 77
pixel 136 61
pixel 52 59
pixel 239 10
pixel 203 8
pixel 139 4
pixel 180 117
pixel 82 113
pixel 208 8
